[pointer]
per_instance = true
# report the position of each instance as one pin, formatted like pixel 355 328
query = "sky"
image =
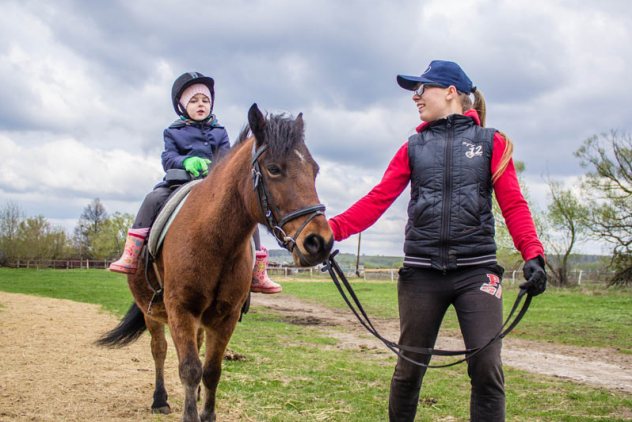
pixel 85 89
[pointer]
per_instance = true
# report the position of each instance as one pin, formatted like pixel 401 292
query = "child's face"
pixel 199 107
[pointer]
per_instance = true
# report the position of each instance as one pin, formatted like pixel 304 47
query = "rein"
pixel 337 275
pixel 268 208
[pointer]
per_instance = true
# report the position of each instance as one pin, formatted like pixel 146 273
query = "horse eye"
pixel 274 170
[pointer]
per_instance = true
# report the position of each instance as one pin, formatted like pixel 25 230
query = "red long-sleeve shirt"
pixel 515 210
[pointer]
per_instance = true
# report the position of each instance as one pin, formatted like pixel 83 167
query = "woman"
pixel 453 164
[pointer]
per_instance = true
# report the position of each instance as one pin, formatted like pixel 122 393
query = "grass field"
pixel 295 373
pixel 597 317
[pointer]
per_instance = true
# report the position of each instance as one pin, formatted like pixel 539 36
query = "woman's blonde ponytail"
pixel 504 159
pixel 481 109
pixel 479 105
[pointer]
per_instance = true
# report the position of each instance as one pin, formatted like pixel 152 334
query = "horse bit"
pixel 276 226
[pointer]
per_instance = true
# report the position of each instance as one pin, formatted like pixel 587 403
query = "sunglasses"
pixel 422 87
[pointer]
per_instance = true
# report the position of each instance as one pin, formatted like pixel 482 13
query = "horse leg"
pixel 200 341
pixel 183 328
pixel 218 334
pixel 159 352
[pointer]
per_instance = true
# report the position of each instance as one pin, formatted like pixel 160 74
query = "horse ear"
pixel 299 122
pixel 257 122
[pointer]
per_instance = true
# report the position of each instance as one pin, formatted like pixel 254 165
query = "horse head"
pixel 284 175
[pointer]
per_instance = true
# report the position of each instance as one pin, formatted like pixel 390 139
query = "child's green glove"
pixel 196 165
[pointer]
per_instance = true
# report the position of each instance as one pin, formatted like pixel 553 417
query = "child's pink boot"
pixel 261 283
pixel 128 263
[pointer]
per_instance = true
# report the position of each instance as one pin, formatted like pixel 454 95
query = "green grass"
pixel 601 318
pixel 296 372
pixel 88 286
pixel 289 375
pixel 598 318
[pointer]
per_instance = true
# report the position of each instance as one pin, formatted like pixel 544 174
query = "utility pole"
pixel 358 255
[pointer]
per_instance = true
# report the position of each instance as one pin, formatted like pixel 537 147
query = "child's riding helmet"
pixel 183 82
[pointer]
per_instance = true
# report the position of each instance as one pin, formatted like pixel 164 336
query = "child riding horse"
pixel 192 143
pixel 206 259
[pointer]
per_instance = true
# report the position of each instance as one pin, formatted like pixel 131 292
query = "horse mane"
pixel 244 134
pixel 282 133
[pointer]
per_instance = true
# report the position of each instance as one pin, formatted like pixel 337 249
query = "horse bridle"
pixel 268 208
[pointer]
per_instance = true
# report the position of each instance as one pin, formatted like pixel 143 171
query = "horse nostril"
pixel 314 244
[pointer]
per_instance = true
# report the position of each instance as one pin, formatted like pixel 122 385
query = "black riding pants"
pixel 151 206
pixel 424 296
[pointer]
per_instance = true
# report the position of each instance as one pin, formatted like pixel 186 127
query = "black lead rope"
pixel 337 275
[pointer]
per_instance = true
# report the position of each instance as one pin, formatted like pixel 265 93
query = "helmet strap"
pixel 210 120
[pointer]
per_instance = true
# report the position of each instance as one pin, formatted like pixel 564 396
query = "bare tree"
pixel 94 215
pixel 567 218
pixel 608 191
pixel 507 254
pixel 10 217
pixel 88 227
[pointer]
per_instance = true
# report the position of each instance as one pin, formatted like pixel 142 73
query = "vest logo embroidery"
pixel 493 287
pixel 473 150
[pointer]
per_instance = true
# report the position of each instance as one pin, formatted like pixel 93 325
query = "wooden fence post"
pixel 579 277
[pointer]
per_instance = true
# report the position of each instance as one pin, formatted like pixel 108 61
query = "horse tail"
pixel 127 331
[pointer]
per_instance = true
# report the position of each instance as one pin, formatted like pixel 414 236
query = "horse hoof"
pixel 163 410
pixel 207 417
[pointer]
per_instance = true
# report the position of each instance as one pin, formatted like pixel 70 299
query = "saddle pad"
pixel 166 216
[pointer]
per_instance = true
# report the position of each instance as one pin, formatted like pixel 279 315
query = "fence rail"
pixel 61 264
pixel 576 277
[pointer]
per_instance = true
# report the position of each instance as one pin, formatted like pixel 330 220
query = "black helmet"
pixel 184 81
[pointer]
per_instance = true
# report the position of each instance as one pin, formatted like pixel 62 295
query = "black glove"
pixel 535 274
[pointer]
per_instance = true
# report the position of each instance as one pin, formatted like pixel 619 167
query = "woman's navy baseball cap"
pixel 439 72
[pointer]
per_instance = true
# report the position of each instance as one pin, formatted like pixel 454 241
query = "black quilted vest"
pixel 450 219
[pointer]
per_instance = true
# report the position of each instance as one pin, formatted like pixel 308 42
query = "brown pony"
pixel 205 265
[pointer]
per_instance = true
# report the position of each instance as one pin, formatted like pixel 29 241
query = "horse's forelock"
pixel 282 134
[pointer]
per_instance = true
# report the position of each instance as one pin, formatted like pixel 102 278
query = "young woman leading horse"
pixel 206 260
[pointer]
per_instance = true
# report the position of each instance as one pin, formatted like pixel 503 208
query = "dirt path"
pixel 51 371
pixel 605 368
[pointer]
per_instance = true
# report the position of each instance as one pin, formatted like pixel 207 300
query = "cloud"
pixel 66 167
